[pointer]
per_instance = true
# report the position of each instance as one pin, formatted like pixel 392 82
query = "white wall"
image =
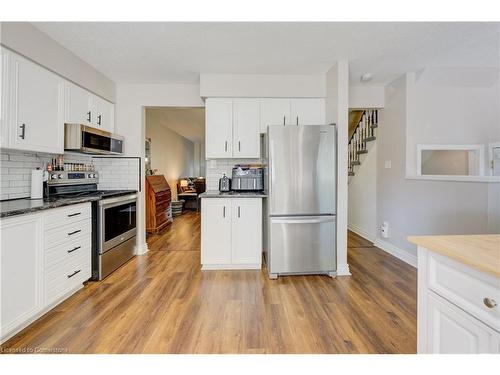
pixel 172 154
pixel 450 106
pixel 262 85
pixel 363 97
pixel 27 40
pixel 418 207
pixel 130 119
pixel 337 111
pixel 362 201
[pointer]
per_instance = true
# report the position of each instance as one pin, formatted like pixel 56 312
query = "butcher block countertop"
pixel 481 252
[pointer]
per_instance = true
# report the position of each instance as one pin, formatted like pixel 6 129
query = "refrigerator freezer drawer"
pixel 302 245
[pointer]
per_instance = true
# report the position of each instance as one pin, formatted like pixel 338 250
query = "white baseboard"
pixel 404 255
pixel 343 270
pixel 141 250
pixel 361 232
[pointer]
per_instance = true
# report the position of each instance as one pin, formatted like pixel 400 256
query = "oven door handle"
pixel 122 200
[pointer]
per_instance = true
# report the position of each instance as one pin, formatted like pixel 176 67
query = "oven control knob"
pixel 60 175
pixel 53 176
pixel 91 175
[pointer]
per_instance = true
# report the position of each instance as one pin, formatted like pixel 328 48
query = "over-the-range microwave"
pixel 82 138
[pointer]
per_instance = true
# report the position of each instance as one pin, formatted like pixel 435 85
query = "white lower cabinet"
pixel 45 257
pixel 458 310
pixel 21 267
pixel 231 233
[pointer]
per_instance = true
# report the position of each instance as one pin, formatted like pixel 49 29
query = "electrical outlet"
pixel 384 229
pixel 388 164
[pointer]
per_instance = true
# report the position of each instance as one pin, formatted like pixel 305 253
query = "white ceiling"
pixel 188 122
pixel 178 52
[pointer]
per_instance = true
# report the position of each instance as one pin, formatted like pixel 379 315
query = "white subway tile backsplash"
pixel 118 173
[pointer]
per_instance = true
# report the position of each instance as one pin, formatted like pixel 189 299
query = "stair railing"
pixel 363 133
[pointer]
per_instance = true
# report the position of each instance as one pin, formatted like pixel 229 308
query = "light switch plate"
pixel 388 164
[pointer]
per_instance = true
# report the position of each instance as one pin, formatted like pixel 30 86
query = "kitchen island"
pixel 231 230
pixel 458 293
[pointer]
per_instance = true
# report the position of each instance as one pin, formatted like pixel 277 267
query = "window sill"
pixel 490 179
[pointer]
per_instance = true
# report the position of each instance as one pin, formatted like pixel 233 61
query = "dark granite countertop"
pixel 233 194
pixel 25 206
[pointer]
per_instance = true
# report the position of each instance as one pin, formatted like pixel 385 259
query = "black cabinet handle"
pixel 75 232
pixel 99 119
pixel 238 211
pixel 23 131
pixel 73 274
pixel 76 248
pixel 75 214
pixel 223 211
pixel 89 116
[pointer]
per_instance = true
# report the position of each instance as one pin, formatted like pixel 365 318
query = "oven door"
pixel 117 221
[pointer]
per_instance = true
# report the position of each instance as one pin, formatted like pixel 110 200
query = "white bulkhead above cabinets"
pixel 36 103
pixel 234 125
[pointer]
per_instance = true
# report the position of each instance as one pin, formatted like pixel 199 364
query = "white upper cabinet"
pixel 307 111
pixel 246 128
pixel 4 84
pixel 83 107
pixel 104 114
pixel 219 128
pixel 274 111
pixel 78 105
pixel 35 107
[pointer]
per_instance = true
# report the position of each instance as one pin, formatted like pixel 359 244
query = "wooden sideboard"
pixel 158 199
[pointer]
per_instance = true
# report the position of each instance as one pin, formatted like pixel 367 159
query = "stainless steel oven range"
pixel 116 222
pixel 114 218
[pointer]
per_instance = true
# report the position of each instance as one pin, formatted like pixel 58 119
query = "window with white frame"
pixel 450 160
pixel 494 158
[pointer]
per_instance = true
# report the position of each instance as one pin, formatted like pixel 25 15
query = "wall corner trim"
pixel 401 254
pixel 343 270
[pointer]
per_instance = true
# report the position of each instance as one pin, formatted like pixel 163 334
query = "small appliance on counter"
pixel 224 184
pixel 248 177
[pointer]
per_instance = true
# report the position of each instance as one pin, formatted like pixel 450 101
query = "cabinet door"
pixel 453 331
pixel 219 128
pixel 307 111
pixel 246 128
pixel 5 83
pixel 37 122
pixel 215 231
pixel 20 271
pixel 78 105
pixel 105 114
pixel 274 111
pixel 246 231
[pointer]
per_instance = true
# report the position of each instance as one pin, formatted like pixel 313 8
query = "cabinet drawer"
pixel 67 215
pixel 162 197
pixel 465 287
pixel 68 250
pixel 58 235
pixel 62 278
pixel 162 207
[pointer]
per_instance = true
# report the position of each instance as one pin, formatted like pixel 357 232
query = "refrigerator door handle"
pixel 325 219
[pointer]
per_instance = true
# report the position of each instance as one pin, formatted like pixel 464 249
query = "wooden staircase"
pixel 363 133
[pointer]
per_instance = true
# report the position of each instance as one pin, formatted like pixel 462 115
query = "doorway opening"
pixel 175 176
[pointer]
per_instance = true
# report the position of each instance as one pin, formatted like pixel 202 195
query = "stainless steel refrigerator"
pixel 301 204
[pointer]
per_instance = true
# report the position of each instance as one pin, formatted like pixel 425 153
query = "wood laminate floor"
pixel 162 303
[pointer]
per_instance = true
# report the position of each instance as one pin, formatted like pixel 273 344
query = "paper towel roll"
pixel 36 184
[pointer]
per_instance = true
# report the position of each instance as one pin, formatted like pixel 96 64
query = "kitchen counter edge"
pixel 246 194
pixel 23 206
